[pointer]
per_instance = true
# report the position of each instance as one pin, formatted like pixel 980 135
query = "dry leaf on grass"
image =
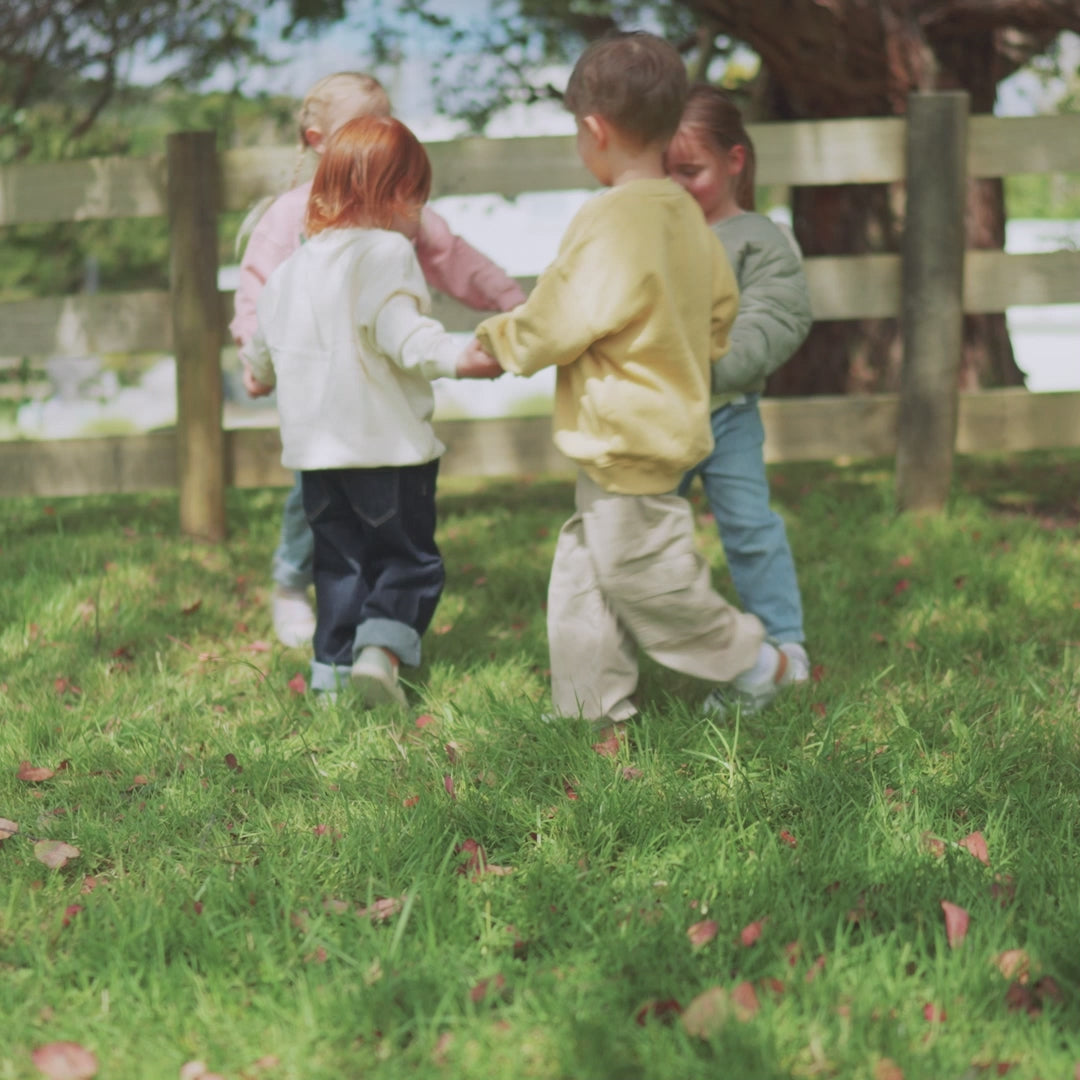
pixel 887 1069
pixel 7 828
pixel 707 1015
pixel 976 843
pixel 1014 964
pixel 956 923
pixel 65 1061
pixel 55 853
pixel 744 998
pixel 665 1010
pixel 751 932
pixel 34 773
pixel 701 933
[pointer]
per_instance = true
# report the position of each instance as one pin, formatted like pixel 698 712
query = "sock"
pixel 767 659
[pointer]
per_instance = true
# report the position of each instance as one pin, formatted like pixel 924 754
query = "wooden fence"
pixel 928 286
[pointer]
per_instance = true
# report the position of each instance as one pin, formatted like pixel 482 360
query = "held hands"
pixel 253 386
pixel 475 363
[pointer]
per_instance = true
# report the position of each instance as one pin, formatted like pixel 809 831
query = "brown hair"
pixel 373 170
pixel 714 114
pixel 635 80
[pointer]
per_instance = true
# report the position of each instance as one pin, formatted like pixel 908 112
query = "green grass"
pixel 943 706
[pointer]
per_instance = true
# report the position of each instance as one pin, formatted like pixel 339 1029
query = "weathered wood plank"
pixel 811 152
pixel 995 281
pixel 82 325
pixel 1010 145
pixel 797 429
pixel 852 151
pixel 841 287
pixel 105 187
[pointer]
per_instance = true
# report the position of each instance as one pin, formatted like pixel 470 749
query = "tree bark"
pixel 843 58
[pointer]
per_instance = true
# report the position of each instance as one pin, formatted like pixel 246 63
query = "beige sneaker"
pixel 294 621
pixel 375 675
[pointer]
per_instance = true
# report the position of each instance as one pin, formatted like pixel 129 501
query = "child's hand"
pixel 253 386
pixel 475 363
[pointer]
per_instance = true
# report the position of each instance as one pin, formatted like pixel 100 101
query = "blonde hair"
pixel 350 92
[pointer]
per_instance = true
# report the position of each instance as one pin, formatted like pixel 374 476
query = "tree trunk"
pixel 845 58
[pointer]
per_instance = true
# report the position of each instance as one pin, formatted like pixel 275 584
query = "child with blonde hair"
pixel 448 263
pixel 342 332
pixel 637 304
pixel 712 157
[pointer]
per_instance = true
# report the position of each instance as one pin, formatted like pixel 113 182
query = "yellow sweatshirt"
pixel 634 309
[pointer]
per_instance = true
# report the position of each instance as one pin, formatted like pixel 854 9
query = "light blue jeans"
pixel 753 534
pixel 292 568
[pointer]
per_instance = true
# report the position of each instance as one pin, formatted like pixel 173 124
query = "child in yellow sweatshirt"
pixel 634 308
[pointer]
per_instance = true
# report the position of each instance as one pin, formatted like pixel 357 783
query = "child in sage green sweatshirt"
pixel 712 157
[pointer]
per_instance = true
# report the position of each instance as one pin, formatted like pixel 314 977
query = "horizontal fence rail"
pixel 841 287
pixel 811 429
pixel 809 152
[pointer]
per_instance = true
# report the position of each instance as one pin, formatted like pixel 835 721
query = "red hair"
pixel 373 171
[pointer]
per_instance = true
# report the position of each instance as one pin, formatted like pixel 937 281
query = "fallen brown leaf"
pixel 55 854
pixel 1014 963
pixel 34 773
pixel 701 933
pixel 707 1015
pixel 956 923
pixel 7 828
pixel 65 1061
pixel 744 998
pixel 751 932
pixel 665 1010
pixel 976 844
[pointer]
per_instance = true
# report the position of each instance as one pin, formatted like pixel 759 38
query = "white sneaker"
pixel 798 670
pixel 294 621
pixel 746 696
pixel 375 675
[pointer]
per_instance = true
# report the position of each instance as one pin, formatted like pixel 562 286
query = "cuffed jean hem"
pixel 402 640
pixel 288 577
pixel 328 676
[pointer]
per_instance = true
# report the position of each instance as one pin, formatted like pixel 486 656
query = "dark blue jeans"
pixel 378 572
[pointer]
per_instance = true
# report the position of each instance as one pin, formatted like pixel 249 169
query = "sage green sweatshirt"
pixel 774 304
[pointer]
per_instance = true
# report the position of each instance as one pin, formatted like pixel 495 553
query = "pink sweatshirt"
pixel 448 262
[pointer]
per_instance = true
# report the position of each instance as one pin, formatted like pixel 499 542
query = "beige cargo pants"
pixel 626 574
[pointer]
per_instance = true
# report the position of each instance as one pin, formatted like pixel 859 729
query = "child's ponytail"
pixel 713 112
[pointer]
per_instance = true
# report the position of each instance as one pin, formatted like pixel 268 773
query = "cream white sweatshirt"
pixel 343 334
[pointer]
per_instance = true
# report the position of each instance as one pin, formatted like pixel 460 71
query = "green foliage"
pixel 53 260
pixel 234 835
pixel 1053 195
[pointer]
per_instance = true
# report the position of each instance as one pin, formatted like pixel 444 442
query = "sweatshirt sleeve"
pixel 454 267
pixel 577 300
pixel 271 243
pixel 774 314
pixel 393 311
pixel 413 341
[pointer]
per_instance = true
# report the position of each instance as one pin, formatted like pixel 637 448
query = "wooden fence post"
pixel 932 306
pixel 193 199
